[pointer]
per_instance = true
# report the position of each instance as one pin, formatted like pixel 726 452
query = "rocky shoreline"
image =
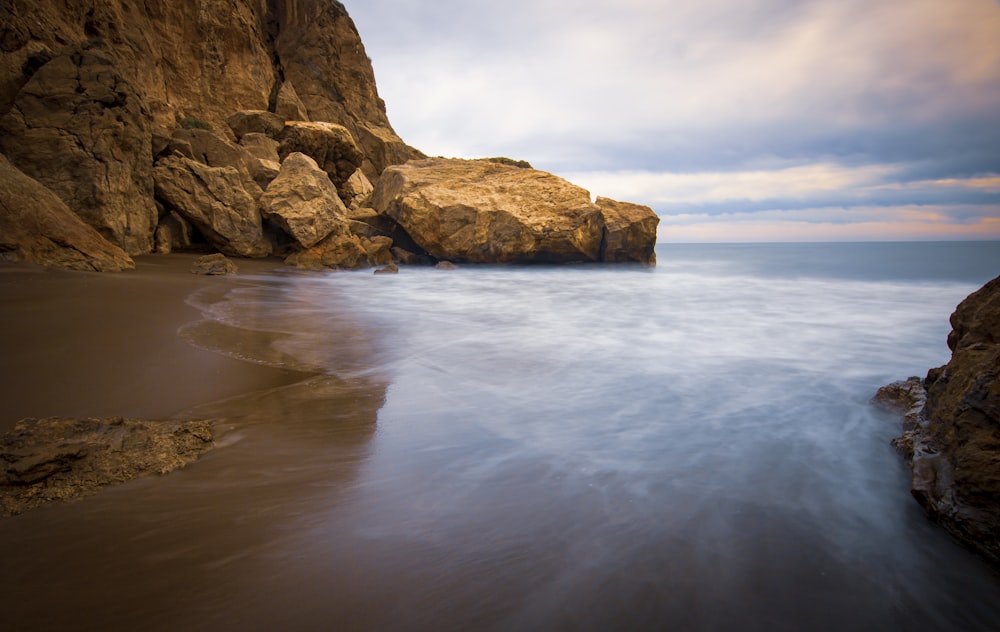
pixel 951 427
pixel 253 130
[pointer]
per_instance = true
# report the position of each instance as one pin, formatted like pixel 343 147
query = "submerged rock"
pixel 952 442
pixel 59 459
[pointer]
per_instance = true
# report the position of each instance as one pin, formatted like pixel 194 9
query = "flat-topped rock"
pixel 481 211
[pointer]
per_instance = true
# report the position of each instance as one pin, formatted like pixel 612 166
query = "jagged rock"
pixel 60 459
pixel 221 202
pixel 323 56
pixel 37 227
pixel 206 59
pixel 256 121
pixel 378 250
pixel 477 211
pixel 330 145
pixel 82 130
pixel 303 201
pixel 173 233
pixel 357 189
pixel 340 251
pixel 288 105
pixel 213 265
pixel 629 233
pixel 391 268
pixel 953 444
pixel 261 146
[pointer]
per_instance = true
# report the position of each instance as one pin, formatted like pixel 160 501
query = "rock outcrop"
pixel 481 211
pixel 37 227
pixel 92 91
pixel 221 202
pixel 81 129
pixel 160 125
pixel 952 441
pixel 58 459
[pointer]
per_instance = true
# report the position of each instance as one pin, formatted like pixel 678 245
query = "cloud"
pixel 805 102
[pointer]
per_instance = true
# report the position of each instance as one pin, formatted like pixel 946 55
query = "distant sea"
pixel 687 447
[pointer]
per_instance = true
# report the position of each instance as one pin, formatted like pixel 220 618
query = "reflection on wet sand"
pixel 208 541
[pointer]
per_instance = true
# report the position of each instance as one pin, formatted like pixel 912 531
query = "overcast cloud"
pixel 734 120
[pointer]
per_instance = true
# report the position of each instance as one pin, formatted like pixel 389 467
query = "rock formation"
pixel 37 227
pixel 57 459
pixel 214 265
pixel 162 125
pixel 481 211
pixel 952 440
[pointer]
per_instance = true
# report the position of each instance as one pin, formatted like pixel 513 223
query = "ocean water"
pixel 545 448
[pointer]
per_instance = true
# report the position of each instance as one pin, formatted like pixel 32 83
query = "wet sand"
pixel 95 345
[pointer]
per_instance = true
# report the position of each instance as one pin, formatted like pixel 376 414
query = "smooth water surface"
pixel 686 447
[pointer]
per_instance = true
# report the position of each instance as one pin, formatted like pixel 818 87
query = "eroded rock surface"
pixel 303 201
pixel 952 443
pixel 214 265
pixel 59 459
pixel 37 227
pixel 83 131
pixel 221 202
pixel 483 211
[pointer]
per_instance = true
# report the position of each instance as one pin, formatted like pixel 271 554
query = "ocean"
pixel 689 446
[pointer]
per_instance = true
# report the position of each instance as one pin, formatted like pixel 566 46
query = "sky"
pixel 735 120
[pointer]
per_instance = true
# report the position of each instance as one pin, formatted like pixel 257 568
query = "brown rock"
pixel 303 201
pixel 955 444
pixel 60 459
pixel 357 189
pixel 213 265
pixel 221 202
pixel 288 105
pixel 173 233
pixel 482 212
pixel 330 145
pixel 37 227
pixel 391 268
pixel 255 121
pixel 339 251
pixel 83 131
pixel 261 146
pixel 629 232
pixel 322 55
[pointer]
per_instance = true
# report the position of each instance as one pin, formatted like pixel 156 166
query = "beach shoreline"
pixel 80 344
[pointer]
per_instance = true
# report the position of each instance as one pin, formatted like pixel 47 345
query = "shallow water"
pixel 687 447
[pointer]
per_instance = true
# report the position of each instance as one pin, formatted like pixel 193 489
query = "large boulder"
pixel 953 444
pixel 303 201
pixel 81 128
pixel 221 202
pixel 330 145
pixel 479 211
pixel 629 232
pixel 37 227
pixel 60 459
pixel 255 121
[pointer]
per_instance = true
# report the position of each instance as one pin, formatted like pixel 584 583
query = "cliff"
pixel 165 125
pixel 951 437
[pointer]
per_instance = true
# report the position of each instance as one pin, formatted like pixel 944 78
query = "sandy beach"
pixel 94 345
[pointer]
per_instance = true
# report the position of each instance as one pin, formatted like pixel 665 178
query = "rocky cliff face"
pixel 169 125
pixel 952 440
